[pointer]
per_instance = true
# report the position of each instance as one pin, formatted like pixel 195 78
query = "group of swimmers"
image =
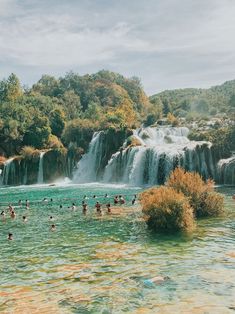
pixel 118 199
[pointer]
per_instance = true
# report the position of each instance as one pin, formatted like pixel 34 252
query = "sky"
pixel 168 44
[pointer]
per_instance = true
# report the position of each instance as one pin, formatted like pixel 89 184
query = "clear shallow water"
pixel 97 264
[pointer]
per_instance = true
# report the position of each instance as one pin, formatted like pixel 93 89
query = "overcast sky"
pixel 167 43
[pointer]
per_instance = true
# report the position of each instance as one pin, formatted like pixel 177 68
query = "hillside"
pixel 212 101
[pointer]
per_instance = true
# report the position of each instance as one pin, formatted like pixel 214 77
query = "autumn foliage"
pixel 185 197
pixel 167 210
pixel 201 194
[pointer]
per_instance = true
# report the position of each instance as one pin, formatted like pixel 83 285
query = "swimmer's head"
pixel 10 236
pixel 53 227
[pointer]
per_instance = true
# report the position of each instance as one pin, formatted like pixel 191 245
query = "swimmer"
pixel 19 202
pixel 108 206
pixel 51 218
pixel 121 200
pixel 27 204
pixel 94 196
pixel 156 280
pixel 3 213
pixel 84 207
pixel 45 199
pixel 115 200
pixel 85 197
pixel 13 214
pixel 53 227
pixel 10 236
pixel 73 206
pixel 98 208
pixel 61 206
pixel 133 201
pixel 25 219
pixel 106 195
pixel 11 208
pixel 51 199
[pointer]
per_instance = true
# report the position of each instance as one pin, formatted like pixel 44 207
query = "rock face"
pixel 43 168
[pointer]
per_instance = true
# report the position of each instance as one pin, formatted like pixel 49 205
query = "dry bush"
pixel 54 142
pixel 201 194
pixel 167 210
pixel 29 152
pixel 2 160
pixel 212 205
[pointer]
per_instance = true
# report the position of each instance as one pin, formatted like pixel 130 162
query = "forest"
pixel 61 113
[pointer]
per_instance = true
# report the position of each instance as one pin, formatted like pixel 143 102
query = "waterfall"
pixel 226 171
pixel 40 168
pixel 160 150
pixel 89 164
pixel 7 171
pixel 25 174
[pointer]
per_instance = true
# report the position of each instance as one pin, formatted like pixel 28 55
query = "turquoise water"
pixel 93 264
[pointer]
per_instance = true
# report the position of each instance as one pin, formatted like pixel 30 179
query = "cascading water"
pixel 40 168
pixel 7 170
pixel 226 171
pixel 89 164
pixel 158 152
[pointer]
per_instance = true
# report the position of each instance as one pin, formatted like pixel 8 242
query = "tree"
pixel 47 86
pixel 166 106
pixel 38 133
pixel 57 121
pixel 71 104
pixel 13 88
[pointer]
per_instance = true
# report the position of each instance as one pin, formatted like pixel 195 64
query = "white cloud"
pixel 168 41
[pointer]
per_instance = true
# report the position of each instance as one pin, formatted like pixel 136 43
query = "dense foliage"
pixel 66 111
pixel 175 206
pixel 54 113
pixel 193 103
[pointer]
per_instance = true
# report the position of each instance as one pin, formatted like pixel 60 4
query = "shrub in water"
pixel 166 210
pixel 201 194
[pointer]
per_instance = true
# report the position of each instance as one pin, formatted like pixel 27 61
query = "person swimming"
pixel 51 218
pixel 115 200
pixel 108 206
pixel 3 213
pixel 61 206
pixel 10 236
pixel 53 227
pixel 25 219
pixel 27 204
pixel 155 280
pixel 13 214
pixel 73 206
pixel 134 200
pixel 84 207
pixel 98 207
pixel 19 202
pixel 121 200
